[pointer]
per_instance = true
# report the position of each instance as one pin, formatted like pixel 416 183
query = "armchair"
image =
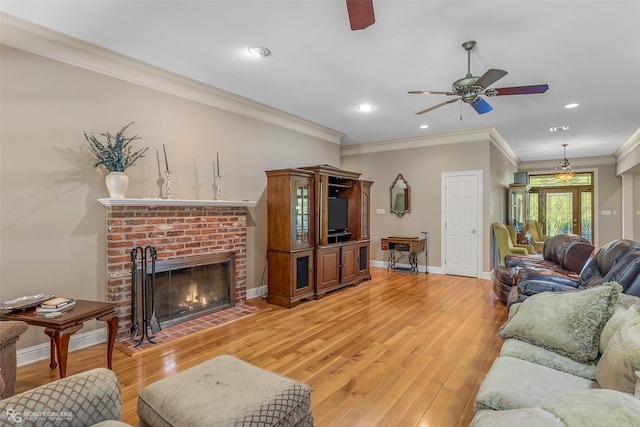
pixel 10 331
pixel 513 234
pixel 84 399
pixel 505 245
pixel 537 236
pixel 617 261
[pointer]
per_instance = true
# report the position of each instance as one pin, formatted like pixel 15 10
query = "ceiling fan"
pixel 469 88
pixel 360 13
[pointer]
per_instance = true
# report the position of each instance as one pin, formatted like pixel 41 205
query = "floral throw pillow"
pixel 569 323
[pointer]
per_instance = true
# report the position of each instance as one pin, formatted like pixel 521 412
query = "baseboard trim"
pixel 76 342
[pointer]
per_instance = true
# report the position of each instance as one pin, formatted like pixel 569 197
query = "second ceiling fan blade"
pixel 360 13
pixel 520 90
pixel 481 106
pixel 490 77
pixel 437 106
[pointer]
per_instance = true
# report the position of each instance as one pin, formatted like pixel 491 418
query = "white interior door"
pixel 462 214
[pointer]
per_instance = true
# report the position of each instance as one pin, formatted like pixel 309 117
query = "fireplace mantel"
pixel 175 202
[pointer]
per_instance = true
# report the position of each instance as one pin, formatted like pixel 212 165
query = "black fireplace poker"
pixel 147 295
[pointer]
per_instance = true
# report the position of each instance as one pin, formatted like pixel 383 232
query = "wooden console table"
pixel 408 247
pixel 61 328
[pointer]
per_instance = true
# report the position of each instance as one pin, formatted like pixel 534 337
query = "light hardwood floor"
pixel 400 350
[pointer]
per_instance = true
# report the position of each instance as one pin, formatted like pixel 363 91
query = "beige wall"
pixel 422 167
pixel 53 228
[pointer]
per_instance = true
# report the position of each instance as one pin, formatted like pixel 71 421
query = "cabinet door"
pixel 365 210
pixel 302 277
pixel 328 267
pixel 363 259
pixel 348 263
pixel 302 213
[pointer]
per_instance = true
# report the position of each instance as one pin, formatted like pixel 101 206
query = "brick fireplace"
pixel 177 229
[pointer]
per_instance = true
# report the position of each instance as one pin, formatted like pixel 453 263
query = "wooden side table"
pixel 61 328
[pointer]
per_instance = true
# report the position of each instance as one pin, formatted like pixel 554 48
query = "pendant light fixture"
pixel 563 168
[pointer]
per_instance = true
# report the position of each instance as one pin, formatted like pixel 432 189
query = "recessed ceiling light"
pixel 572 105
pixel 424 126
pixel 558 128
pixel 364 108
pixel 259 51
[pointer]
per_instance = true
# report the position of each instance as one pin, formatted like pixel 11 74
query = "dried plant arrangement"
pixel 116 153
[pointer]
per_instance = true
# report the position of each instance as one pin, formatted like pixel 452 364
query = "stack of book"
pixel 55 304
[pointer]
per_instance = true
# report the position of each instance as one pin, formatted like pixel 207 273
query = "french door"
pixel 564 210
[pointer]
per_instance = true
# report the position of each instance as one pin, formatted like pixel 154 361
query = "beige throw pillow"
pixel 619 362
pixel 568 323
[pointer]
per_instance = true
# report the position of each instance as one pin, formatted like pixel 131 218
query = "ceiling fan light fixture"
pixel 259 51
pixel 563 168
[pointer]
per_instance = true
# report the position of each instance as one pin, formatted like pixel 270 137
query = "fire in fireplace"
pixel 189 287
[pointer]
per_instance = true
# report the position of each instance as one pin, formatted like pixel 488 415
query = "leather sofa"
pixel 617 261
pixel 565 254
pixel 549 374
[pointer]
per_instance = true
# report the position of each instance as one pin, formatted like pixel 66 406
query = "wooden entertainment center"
pixel 316 244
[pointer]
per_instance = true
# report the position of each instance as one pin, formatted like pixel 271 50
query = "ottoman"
pixel 225 391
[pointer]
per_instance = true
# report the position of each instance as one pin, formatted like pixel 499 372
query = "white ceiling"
pixel 587 51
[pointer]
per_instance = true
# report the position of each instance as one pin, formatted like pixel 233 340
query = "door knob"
pixel 473 231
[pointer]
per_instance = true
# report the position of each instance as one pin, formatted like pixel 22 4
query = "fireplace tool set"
pixel 147 294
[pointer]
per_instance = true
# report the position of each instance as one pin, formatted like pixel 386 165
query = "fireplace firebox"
pixel 190 287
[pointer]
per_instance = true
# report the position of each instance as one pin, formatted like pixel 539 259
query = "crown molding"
pixel 628 155
pixel 629 145
pixel 580 162
pixel 470 135
pixel 33 38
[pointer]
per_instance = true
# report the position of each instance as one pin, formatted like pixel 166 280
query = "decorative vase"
pixel 117 183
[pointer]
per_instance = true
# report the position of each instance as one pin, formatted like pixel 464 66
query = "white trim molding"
pixel 175 202
pixel 76 342
pixel 32 38
pixel 471 135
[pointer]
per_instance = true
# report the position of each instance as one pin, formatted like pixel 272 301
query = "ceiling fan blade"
pixel 360 13
pixel 429 92
pixel 490 77
pixel 481 106
pixel 521 90
pixel 437 106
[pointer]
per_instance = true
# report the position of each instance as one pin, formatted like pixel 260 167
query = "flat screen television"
pixel 337 214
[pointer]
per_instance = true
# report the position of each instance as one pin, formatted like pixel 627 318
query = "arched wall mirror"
pixel 400 192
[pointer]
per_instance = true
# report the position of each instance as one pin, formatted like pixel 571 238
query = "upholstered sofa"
pixel 565 254
pixel 617 261
pixel 85 399
pixel 10 332
pixel 568 359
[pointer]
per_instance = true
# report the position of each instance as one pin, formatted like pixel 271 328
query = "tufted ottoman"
pixel 225 391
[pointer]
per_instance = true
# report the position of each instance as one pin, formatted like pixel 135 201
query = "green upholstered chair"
pixel 537 236
pixel 504 244
pixel 513 233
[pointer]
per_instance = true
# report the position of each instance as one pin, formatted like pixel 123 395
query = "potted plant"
pixel 116 154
